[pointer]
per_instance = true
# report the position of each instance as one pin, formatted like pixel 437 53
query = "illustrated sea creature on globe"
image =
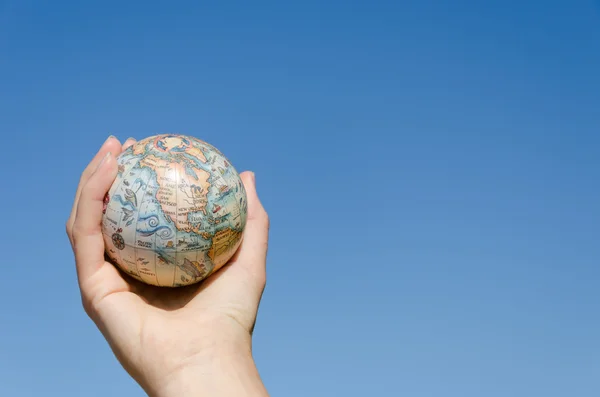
pixel 176 211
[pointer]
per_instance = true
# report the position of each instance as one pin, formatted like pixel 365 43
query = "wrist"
pixel 223 373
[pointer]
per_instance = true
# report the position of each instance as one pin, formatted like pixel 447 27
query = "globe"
pixel 175 212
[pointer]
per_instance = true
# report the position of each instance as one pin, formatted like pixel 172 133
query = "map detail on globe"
pixel 175 212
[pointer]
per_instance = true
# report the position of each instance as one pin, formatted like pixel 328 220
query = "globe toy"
pixel 175 213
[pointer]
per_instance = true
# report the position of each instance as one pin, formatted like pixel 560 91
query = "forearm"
pixel 223 375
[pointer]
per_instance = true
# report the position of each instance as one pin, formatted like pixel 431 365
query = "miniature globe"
pixel 175 213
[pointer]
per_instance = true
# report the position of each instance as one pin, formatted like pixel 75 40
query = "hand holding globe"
pixel 173 341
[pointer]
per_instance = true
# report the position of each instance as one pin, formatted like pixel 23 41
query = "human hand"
pixel 194 340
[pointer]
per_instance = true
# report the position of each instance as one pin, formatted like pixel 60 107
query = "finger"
pixel 252 255
pixel 110 145
pixel 129 142
pixel 87 232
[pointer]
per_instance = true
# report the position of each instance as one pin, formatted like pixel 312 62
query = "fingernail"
pixel 253 178
pixel 103 160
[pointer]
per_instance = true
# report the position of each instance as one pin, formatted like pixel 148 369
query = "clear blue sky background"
pixel 431 170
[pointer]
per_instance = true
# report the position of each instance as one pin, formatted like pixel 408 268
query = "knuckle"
pixel 76 231
pixel 69 232
pixel 266 219
pixel 88 301
pixel 87 306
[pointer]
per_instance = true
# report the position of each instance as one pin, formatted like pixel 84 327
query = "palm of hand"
pixel 154 332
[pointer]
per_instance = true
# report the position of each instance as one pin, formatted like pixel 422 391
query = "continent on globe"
pixel 176 211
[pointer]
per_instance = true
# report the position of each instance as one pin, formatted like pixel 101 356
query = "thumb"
pixel 252 255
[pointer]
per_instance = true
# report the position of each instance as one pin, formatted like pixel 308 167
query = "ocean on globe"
pixel 176 211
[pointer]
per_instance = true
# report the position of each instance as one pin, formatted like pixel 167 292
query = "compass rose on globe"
pixel 176 211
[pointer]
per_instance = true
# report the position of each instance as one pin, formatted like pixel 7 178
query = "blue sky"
pixel 430 168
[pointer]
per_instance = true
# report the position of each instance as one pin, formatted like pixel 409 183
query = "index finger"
pixel 112 145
